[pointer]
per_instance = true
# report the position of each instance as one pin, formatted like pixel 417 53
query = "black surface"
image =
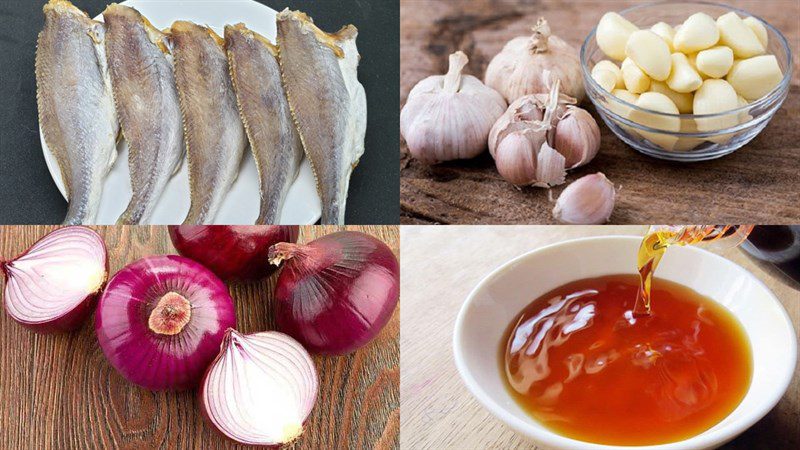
pixel 28 194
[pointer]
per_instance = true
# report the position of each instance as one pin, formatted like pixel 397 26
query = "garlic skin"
pixel 587 201
pixel 449 117
pixel 577 137
pixel 519 68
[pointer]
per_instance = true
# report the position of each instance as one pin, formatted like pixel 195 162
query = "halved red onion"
pixel 161 320
pixel 335 293
pixel 260 389
pixel 234 253
pixel 52 285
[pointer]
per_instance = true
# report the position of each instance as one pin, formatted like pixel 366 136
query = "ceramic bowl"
pixel 502 295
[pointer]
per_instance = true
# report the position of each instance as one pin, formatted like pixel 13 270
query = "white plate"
pixel 241 205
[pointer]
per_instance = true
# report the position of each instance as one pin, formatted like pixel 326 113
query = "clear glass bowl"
pixel 737 127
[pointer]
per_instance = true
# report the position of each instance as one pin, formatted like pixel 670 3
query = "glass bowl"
pixel 730 129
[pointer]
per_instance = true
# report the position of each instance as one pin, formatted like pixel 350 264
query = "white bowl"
pixel 499 297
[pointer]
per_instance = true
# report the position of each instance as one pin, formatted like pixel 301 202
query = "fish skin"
pixel 213 131
pixel 76 108
pixel 147 105
pixel 328 103
pixel 266 116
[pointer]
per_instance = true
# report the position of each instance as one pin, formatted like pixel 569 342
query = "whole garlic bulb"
pixel 588 200
pixel 449 116
pixel 577 137
pixel 519 68
pixel 518 142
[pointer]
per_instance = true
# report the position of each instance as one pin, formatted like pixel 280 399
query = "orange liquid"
pixel 582 364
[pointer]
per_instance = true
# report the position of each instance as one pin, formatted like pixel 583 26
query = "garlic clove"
pixel 650 53
pixel 587 201
pixel 577 137
pixel 759 29
pixel 516 158
pixel 613 32
pixel 605 64
pixel 698 32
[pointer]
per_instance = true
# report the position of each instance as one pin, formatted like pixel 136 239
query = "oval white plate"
pixel 241 204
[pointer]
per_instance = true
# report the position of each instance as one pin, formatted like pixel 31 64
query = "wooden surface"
pixel 59 391
pixel 440 266
pixel 758 183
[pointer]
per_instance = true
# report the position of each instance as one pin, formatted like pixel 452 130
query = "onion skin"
pixel 234 253
pixel 284 371
pixel 83 307
pixel 336 293
pixel 163 359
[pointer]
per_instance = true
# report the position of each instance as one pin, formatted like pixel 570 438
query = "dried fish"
pixel 265 112
pixel 146 99
pixel 76 109
pixel 214 134
pixel 328 103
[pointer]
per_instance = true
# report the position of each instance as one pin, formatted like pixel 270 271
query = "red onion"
pixel 52 286
pixel 231 252
pixel 260 389
pixel 161 320
pixel 336 293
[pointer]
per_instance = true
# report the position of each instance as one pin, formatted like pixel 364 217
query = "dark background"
pixel 29 196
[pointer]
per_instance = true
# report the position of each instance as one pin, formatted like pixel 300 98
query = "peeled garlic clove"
pixel 715 96
pixel 698 32
pixel 636 81
pixel 759 29
pixel 714 62
pixel 605 78
pixel 612 34
pixel 519 68
pixel 683 77
pixel 755 77
pixel 650 53
pixel 449 117
pixel 657 102
pixel 682 100
pixel 734 33
pixel 577 137
pixel 666 32
pixel 587 201
pixel 605 64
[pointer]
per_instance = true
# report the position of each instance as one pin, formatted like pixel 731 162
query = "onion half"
pixel 260 389
pixel 161 320
pixel 336 293
pixel 234 253
pixel 52 285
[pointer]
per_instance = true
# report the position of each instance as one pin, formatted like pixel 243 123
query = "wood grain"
pixel 758 183
pixel 59 392
pixel 440 266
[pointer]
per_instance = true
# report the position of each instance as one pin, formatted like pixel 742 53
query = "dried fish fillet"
pixel 328 103
pixel 76 109
pixel 265 112
pixel 143 82
pixel 213 131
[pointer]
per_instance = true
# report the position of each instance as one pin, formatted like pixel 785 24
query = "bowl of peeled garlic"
pixel 686 81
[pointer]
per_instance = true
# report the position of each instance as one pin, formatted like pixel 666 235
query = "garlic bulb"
pixel 588 200
pixel 518 142
pixel 519 68
pixel 577 137
pixel 449 116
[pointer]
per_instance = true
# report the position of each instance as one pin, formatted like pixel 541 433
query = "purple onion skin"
pixel 159 361
pixel 336 293
pixel 234 253
pixel 72 320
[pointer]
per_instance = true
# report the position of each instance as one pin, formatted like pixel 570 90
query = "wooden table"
pixel 758 183
pixel 440 266
pixel 59 391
